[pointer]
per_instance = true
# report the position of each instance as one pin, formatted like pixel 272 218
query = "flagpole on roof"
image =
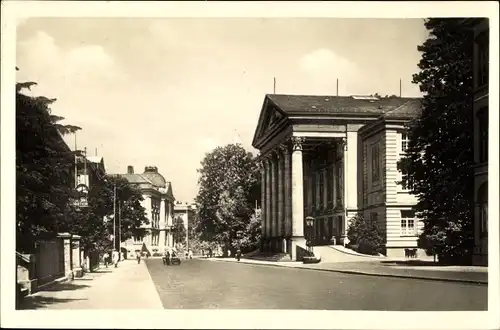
pixel 274 85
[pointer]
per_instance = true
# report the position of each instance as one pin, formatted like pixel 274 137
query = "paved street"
pixel 200 284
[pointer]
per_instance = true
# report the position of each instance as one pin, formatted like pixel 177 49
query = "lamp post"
pixel 309 232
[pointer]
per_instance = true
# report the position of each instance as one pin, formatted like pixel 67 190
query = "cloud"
pixel 207 144
pixel 322 60
pixel 322 67
pixel 40 56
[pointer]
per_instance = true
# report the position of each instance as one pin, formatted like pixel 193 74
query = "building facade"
pixel 159 204
pixel 187 213
pixel 481 29
pixel 317 155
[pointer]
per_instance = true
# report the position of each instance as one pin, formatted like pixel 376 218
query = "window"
pixel 482 59
pixel 482 205
pixel 404 174
pixel 373 218
pixel 375 163
pixel 404 142
pixel 482 117
pixel 138 239
pixel 408 223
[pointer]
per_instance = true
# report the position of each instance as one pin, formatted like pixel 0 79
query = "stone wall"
pixel 53 259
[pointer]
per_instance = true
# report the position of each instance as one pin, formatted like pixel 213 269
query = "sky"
pixel 164 92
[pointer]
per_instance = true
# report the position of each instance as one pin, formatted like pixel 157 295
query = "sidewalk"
pixel 127 287
pixel 376 268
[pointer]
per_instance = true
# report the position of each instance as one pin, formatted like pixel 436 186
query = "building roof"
pixel 95 159
pixel 151 173
pixel 318 104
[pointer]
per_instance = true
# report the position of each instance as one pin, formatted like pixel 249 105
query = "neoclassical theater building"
pixel 159 204
pixel 331 157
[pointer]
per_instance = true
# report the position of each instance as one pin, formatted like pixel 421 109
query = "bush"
pixel 366 235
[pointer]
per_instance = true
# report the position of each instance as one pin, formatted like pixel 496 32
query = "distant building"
pixel 186 212
pixel 159 204
pixel 331 157
pixel 90 173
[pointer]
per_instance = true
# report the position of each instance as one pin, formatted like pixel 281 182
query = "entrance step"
pixel 269 256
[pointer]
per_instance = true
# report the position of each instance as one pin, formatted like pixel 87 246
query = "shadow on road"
pixel 37 302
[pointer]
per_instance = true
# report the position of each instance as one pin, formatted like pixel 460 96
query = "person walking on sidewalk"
pixel 238 254
pixel 115 258
pixel 138 258
pixel 106 259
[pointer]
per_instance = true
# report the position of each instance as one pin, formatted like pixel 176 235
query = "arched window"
pixel 482 204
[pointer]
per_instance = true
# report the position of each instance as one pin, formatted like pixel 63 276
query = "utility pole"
pixel 119 231
pixel 114 216
pixel 187 226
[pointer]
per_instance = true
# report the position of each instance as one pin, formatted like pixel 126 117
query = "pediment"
pixel 169 193
pixel 270 117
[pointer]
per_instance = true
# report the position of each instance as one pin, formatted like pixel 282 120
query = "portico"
pixel 301 176
pixel 312 164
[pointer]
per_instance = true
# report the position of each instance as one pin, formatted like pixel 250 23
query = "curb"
pixel 356 272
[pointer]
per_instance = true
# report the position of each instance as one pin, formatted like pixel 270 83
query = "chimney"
pixel 130 169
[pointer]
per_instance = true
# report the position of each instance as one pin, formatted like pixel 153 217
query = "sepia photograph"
pixel 264 163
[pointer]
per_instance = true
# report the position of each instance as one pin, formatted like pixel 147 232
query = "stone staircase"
pixel 269 256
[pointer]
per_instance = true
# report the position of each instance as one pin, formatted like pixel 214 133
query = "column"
pixel 67 271
pixel 281 205
pixel 163 224
pixel 343 184
pixel 317 190
pixel 262 195
pixel 297 188
pixel 288 191
pixel 325 188
pixel 334 186
pixel 268 198
pixel 351 174
pixel 274 196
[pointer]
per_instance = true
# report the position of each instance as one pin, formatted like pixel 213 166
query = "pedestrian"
pixel 167 258
pixel 238 254
pixel 229 253
pixel 138 258
pixel 106 259
pixel 116 256
pixel 190 254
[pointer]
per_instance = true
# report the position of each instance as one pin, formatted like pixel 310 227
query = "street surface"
pixel 200 284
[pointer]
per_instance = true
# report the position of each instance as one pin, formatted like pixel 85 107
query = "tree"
pixel 179 230
pixel 251 240
pixel 229 184
pixel 437 166
pixel 45 183
pixel 365 235
pixel 43 169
